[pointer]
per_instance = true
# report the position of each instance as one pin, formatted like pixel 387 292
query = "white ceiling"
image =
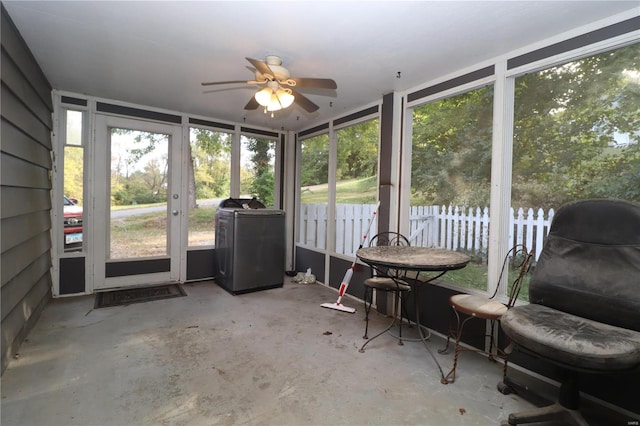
pixel 158 53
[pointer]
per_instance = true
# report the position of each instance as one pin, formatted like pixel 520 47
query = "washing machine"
pixel 250 245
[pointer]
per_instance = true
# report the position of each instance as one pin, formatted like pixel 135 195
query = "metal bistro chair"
pixel 486 308
pixel 390 281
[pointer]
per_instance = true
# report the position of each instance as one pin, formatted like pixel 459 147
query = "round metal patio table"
pixel 415 260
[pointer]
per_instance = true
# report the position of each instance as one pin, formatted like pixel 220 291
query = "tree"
pixel 139 167
pixel 262 182
pixel 451 154
pixel 74 172
pixel 314 169
pixel 358 151
pixel 566 121
pixel 209 168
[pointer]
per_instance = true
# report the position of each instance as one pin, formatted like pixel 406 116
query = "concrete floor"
pixel 272 357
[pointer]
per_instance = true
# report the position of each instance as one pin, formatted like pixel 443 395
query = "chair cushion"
pixel 385 283
pixel 570 340
pixel 590 263
pixel 477 306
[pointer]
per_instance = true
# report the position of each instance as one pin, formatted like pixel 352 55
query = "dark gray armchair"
pixel 584 311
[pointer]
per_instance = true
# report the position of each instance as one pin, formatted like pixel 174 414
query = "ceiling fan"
pixel 278 91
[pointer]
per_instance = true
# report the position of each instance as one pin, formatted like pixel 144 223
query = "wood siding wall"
pixel 25 161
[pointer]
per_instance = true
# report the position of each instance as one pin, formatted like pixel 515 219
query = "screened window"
pixel 576 134
pixel 450 179
pixel 138 193
pixel 73 182
pixel 314 191
pixel 356 183
pixel 209 181
pixel 257 169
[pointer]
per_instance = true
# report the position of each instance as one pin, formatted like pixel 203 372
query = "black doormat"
pixel 137 295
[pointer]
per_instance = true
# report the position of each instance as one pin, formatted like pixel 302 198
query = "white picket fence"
pixel 351 225
pixel 448 227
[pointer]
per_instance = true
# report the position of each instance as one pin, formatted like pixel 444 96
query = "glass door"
pixel 138 203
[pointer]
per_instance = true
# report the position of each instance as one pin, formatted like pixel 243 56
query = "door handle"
pixel 175 212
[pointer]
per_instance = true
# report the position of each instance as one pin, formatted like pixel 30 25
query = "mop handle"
pixel 366 234
pixel 347 276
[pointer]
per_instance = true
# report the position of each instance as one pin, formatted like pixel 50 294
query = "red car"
pixel 72 226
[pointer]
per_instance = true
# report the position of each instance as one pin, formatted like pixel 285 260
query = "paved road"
pixel 117 214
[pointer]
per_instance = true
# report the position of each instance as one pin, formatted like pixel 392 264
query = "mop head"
pixel 338 307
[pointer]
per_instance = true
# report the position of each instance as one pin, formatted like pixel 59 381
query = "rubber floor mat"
pixel 137 295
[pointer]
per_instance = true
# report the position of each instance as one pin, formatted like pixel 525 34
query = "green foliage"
pixel 451 157
pixel 357 151
pixel 74 172
pixel 139 170
pixel 565 120
pixel 140 187
pixel 211 159
pixel 314 168
pixel 357 155
pixel 210 155
pixel 261 180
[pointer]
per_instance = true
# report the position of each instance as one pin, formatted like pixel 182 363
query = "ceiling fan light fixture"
pixel 274 104
pixel 274 99
pixel 286 98
pixel 263 96
pixel 274 96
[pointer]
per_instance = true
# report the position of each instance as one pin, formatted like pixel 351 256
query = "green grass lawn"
pixel 355 191
pixel 474 276
pixel 136 206
pixel 145 234
pixel 202 218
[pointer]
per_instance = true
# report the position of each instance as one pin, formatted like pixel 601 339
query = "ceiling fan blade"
pixel 304 102
pixel 319 83
pixel 252 104
pixel 262 68
pixel 212 83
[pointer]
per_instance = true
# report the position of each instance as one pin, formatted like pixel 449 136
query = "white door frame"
pixel 100 208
